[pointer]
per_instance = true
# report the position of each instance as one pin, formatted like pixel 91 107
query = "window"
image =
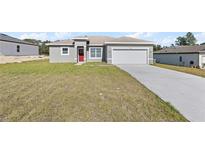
pixel 64 51
pixel 96 53
pixel 18 48
pixel 92 52
pixel 180 58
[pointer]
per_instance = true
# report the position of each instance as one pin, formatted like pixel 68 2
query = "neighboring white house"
pixel 189 56
pixel 123 50
pixel 10 46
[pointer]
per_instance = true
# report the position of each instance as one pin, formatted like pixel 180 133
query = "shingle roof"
pixel 100 40
pixel 128 39
pixel 4 37
pixel 95 39
pixel 183 49
pixel 62 42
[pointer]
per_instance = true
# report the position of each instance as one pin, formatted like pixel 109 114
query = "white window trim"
pixel 62 51
pixel 95 57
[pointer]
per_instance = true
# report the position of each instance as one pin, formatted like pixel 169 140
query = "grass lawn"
pixel 39 91
pixel 194 71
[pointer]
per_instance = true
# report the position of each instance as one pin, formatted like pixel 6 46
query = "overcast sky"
pixel 162 38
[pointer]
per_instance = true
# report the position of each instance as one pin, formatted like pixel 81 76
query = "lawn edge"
pixel 157 65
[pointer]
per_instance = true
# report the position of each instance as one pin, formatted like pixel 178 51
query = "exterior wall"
pixel 10 49
pixel 173 59
pixel 109 51
pixel 56 57
pixel 201 62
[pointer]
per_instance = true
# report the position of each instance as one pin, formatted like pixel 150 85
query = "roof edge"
pixel 27 43
pixel 151 43
pixel 80 38
pixel 181 52
pixel 49 44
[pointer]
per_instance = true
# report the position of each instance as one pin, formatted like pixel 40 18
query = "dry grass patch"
pixel 193 71
pixel 39 91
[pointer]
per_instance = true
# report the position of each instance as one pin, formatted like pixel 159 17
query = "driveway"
pixel 184 91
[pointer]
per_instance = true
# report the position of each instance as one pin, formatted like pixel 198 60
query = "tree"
pixel 190 39
pixel 202 43
pixel 181 41
pixel 34 41
pixel 43 48
pixel 157 47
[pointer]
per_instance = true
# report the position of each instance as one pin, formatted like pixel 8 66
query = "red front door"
pixel 81 55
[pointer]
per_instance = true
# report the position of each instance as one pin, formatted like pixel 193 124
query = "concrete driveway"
pixel 184 91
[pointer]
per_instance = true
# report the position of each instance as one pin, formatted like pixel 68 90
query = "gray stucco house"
pixel 10 46
pixel 189 56
pixel 123 50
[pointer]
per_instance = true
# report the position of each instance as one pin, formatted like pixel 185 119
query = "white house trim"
pixel 151 43
pixel 85 53
pixel 94 45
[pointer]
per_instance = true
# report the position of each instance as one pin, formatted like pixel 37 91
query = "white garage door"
pixel 129 56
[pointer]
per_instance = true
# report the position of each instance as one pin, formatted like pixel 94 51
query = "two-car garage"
pixel 130 56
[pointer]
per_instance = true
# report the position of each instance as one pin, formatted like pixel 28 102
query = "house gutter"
pixel 146 43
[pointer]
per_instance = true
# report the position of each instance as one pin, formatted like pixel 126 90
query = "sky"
pixel 162 38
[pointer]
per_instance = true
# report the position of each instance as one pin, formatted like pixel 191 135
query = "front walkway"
pixel 184 91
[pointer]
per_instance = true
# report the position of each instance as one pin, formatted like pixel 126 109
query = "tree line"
pixel 43 48
pixel 188 39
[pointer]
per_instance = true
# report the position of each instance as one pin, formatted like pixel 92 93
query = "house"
pixel 190 56
pixel 10 46
pixel 123 50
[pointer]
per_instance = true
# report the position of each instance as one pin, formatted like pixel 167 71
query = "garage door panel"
pixel 129 56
